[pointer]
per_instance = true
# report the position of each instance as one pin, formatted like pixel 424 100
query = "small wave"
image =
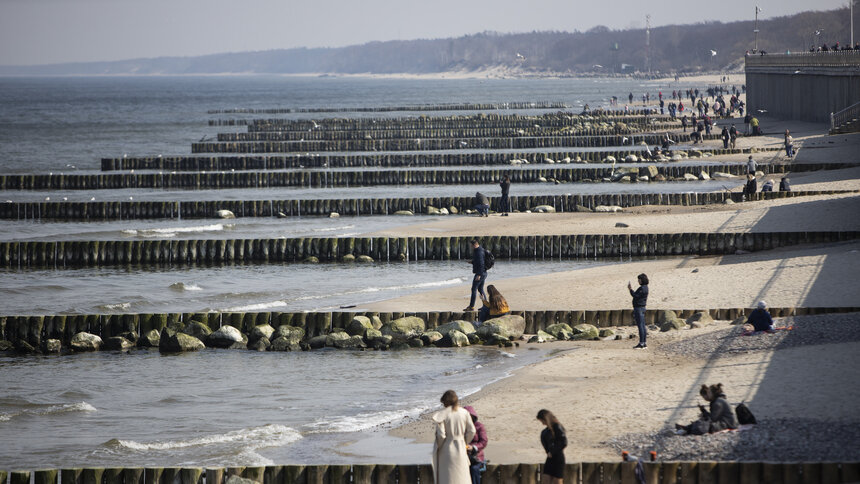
pixel 50 410
pixel 334 229
pixel 172 231
pixel 266 436
pixel 111 307
pixel 364 421
pixel 257 307
pixel 181 286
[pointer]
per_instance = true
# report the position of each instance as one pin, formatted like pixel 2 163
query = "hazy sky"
pixel 50 31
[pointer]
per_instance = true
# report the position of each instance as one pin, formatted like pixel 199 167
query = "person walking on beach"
pixel 724 135
pixel 733 136
pixel 479 269
pixel 640 300
pixel 751 166
pixel 454 428
pixel 505 203
pixel 789 144
pixel 475 448
pixel 554 440
pixel 684 122
pixel 494 306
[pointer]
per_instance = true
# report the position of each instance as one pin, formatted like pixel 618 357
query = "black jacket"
pixel 554 444
pixel 506 186
pixel 478 261
pixel 640 296
pixel 721 415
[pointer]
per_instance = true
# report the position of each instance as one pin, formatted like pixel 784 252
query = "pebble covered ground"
pixel 776 440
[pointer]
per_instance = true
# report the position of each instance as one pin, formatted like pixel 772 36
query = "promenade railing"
pixel 842 58
pixel 837 119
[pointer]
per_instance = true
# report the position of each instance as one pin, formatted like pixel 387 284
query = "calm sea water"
pixel 223 408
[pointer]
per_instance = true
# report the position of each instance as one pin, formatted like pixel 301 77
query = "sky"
pixel 55 31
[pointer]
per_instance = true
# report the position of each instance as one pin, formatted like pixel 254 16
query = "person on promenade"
pixel 717 418
pixel 784 185
pixel 789 144
pixel 475 448
pixel 454 428
pixel 760 318
pixel 482 204
pixel 494 306
pixel 505 202
pixel 640 299
pixel 479 269
pixel 554 440
pixel 751 166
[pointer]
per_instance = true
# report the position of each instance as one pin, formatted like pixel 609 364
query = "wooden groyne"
pixel 359 178
pixel 136 210
pixel 435 144
pixel 686 472
pixel 414 107
pixel 86 253
pixel 391 134
pixel 383 160
pixel 35 329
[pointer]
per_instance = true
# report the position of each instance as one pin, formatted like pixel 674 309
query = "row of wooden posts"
pixel 34 329
pixel 415 107
pixel 196 209
pixel 431 144
pixel 382 160
pixel 455 133
pixel 360 178
pixel 575 473
pixel 96 253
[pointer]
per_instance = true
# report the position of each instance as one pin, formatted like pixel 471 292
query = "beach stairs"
pixel 846 120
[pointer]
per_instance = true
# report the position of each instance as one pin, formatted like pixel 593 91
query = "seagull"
pixel 761 110
pixel 817 32
pixel 520 56
pixel 797 72
pixel 598 66
pixel 93 199
pixel 713 52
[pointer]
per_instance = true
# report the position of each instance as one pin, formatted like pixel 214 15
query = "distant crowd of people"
pixel 834 48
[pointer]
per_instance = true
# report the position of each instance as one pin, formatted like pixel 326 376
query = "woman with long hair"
pixel 494 306
pixel 554 440
pixel 719 416
pixel 454 429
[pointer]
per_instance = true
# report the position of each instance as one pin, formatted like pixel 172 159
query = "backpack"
pixel 745 416
pixel 489 259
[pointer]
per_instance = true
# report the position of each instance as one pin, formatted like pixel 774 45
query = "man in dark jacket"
pixel 482 204
pixel 784 185
pixel 760 319
pixel 479 270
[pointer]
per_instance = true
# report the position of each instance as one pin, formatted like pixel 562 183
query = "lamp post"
pixel 755 31
pixel 851 14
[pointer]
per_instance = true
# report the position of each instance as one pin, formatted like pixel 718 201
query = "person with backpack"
pixel 494 306
pixel 717 418
pixel 479 269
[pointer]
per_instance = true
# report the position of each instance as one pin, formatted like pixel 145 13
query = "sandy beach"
pixel 612 397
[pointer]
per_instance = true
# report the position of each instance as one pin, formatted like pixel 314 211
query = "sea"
pixel 234 408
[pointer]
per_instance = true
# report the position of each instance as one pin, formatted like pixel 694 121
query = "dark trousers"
pixel 639 317
pixel 477 286
pixel 505 204
pixel 482 209
pixel 475 472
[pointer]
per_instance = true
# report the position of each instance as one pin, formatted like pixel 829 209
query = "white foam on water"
pixel 124 305
pixel 257 307
pixel 173 231
pixel 254 438
pixel 181 286
pixel 364 421
pixel 67 407
pixel 334 229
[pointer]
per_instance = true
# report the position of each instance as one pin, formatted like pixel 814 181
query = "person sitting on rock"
pixel 717 418
pixel 494 306
pixel 760 319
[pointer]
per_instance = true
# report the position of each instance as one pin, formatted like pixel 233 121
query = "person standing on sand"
pixel 454 428
pixel 554 440
pixel 789 144
pixel 640 300
pixel 505 203
pixel 751 166
pixel 476 446
pixel 479 269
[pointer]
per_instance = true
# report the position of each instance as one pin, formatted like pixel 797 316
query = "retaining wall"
pixel 34 329
pixel 511 143
pixel 358 178
pixel 405 159
pixel 28 254
pixel 133 210
pixel 575 473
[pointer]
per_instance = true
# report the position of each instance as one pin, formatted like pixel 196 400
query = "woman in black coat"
pixel 716 418
pixel 554 440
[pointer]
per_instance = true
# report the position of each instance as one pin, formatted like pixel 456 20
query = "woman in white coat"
pixel 454 429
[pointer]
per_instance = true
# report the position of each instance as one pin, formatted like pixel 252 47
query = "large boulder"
pixel 282 343
pixel 117 343
pixel 606 333
pixel 690 177
pixel 544 209
pixel 84 341
pixel 509 327
pixel 464 327
pixel 703 175
pixel 293 334
pixel 262 331
pixel 225 214
pixel 454 339
pixel 542 337
pixel 359 326
pixel 608 208
pixel 666 315
pixel 150 339
pixel 351 342
pixel 332 338
pixel 318 341
pixel 260 344
pixel 6 345
pixel 673 325
pixel 701 318
pixel 179 342
pixel 225 337
pixel 197 329
pixel 52 346
pixel 404 329
pixel 561 331
pixel 585 331
pixel 431 337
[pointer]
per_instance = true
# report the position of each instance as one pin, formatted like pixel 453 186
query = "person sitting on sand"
pixel 768 186
pixel 482 204
pixel 494 306
pixel 716 419
pixel 760 319
pixel 784 185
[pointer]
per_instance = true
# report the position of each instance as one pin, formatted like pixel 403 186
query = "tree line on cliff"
pixel 707 46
